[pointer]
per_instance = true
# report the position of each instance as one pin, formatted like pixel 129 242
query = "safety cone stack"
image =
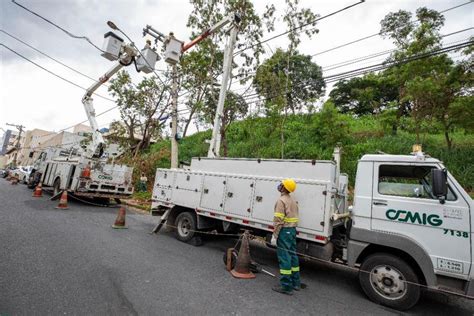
pixel 63 201
pixel 38 192
pixel 120 220
pixel 242 266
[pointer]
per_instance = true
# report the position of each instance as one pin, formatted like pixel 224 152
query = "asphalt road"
pixel 72 262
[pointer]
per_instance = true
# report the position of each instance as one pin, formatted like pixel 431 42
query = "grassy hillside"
pixel 314 137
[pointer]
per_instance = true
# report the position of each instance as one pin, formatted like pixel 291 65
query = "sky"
pixel 37 99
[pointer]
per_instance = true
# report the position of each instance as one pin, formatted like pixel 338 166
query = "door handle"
pixel 380 202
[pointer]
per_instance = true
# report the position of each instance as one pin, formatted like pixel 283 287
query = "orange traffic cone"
pixel 63 201
pixel 38 192
pixel 120 220
pixel 242 267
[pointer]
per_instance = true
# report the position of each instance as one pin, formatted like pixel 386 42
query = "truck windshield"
pixel 408 181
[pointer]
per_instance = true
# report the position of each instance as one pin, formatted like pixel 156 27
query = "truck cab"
pixel 405 232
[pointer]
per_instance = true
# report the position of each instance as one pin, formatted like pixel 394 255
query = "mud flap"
pixel 163 220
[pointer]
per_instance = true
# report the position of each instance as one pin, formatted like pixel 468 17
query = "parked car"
pixel 24 173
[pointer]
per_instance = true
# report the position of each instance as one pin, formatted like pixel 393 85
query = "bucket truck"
pixel 410 226
pixel 87 173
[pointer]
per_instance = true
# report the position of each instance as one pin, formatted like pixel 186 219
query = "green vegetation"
pixel 313 136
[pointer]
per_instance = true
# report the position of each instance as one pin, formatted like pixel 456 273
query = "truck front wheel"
pixel 56 187
pixel 185 226
pixel 390 281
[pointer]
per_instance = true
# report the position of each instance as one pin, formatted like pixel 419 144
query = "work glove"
pixel 273 242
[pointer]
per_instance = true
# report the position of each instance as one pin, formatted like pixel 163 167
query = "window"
pixel 408 181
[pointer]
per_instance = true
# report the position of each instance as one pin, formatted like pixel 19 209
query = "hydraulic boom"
pixel 96 148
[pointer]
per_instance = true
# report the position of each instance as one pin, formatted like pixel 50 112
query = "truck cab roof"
pixel 400 158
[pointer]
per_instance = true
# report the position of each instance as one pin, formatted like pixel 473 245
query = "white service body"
pixel 243 191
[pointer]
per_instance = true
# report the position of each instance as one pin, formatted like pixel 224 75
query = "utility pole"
pixel 174 118
pixel 173 51
pixel 215 145
pixel 20 131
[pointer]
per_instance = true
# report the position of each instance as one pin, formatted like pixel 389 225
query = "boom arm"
pixel 216 27
pixel 96 148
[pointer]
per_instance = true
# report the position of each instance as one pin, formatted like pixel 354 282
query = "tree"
pixel 370 94
pixel 430 85
pixel 296 90
pixel 142 107
pixel 332 128
pixel 201 67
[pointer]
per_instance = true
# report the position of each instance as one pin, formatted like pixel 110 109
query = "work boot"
pixel 302 286
pixel 279 289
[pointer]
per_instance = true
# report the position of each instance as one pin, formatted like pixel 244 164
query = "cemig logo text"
pixel 414 217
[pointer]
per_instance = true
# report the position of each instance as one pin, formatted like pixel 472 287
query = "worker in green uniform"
pixel 284 238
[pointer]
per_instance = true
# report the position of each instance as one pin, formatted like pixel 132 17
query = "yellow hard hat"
pixel 289 184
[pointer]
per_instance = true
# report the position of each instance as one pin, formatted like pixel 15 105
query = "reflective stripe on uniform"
pixel 295 269
pixel 279 215
pixel 291 219
pixel 285 272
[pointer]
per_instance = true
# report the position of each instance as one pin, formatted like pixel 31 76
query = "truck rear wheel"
pixel 390 281
pixel 185 226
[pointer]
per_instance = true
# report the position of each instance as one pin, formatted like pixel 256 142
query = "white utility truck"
pixel 410 222
pixel 88 174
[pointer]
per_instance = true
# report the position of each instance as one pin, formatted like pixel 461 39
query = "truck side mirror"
pixel 440 184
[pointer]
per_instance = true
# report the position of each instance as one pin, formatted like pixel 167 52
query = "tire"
pixel 185 226
pixel 56 186
pixel 385 283
pixel 233 259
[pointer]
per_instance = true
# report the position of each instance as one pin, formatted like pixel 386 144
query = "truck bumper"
pixel 102 195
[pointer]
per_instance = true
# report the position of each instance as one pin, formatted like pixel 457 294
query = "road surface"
pixel 72 262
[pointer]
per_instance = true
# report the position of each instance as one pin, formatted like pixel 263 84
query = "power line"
pixel 360 59
pixel 57 26
pixel 53 73
pixel 376 34
pixel 299 27
pixel 385 65
pixel 346 44
pixel 372 68
pixel 48 56
pixel 455 7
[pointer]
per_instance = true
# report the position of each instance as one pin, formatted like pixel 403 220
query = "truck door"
pixel 402 203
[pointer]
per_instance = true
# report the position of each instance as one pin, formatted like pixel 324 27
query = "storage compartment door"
pixel 164 178
pixel 188 181
pixel 264 199
pixel 238 196
pixel 311 204
pixel 162 194
pixel 212 192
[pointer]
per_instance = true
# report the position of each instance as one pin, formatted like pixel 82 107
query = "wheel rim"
pixel 388 282
pixel 184 227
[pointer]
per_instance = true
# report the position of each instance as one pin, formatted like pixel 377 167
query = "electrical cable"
pixel 48 56
pixel 299 27
pixel 373 35
pixel 59 27
pixel 53 73
pixel 376 67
